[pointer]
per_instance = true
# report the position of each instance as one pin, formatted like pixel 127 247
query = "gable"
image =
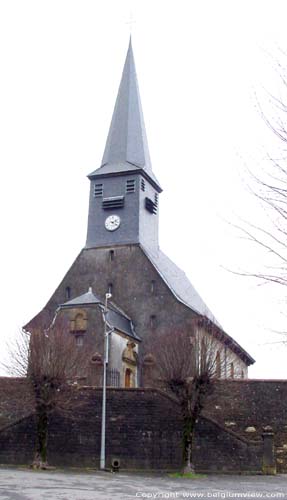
pixel 150 288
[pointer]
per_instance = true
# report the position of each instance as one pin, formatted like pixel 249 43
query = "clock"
pixel 112 222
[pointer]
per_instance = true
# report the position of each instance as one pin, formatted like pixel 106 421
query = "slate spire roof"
pixel 127 147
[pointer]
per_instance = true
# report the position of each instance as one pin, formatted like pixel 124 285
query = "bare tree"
pixel 51 363
pixel 185 364
pixel 269 188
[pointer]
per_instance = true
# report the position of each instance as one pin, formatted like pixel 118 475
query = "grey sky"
pixel 199 65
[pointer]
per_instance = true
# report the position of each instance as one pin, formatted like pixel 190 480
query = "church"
pixel 121 279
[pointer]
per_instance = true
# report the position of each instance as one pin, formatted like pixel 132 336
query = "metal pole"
pixel 106 351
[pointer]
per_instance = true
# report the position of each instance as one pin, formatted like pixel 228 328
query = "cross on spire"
pixel 131 21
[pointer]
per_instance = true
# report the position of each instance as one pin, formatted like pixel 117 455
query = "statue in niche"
pixel 78 321
pixel 130 355
pixel 130 361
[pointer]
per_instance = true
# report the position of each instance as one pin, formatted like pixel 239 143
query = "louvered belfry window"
pixel 130 186
pixel 98 190
pixel 156 199
pixel 150 206
pixel 113 202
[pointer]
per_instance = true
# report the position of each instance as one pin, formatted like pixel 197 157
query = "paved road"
pixel 18 484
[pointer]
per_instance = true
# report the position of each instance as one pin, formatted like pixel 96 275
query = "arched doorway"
pixel 128 377
pixel 129 365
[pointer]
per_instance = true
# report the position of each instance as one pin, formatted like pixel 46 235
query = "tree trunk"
pixel 188 429
pixel 40 456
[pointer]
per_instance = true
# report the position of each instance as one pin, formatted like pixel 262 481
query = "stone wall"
pixel 144 429
pixel 219 450
pixel 17 442
pixel 247 407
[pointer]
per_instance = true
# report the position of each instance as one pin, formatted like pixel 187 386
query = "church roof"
pixel 127 147
pixel 115 318
pixel 179 284
pixel 121 323
pixel 86 299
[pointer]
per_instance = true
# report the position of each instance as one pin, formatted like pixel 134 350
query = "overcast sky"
pixel 200 66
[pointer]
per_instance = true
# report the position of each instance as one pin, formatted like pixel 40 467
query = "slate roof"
pixel 122 323
pixel 86 299
pixel 116 318
pixel 179 284
pixel 127 147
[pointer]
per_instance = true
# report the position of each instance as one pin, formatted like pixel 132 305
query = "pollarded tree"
pixel 185 363
pixel 51 362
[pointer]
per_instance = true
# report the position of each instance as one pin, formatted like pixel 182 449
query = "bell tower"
pixel 124 192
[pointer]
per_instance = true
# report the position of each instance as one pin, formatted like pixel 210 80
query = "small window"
pixel 152 286
pixel 152 321
pixel 242 374
pixel 68 293
pixel 232 370
pixel 79 340
pixel 110 288
pixel 204 353
pixel 218 365
pixel 112 255
pixel 142 185
pixel 130 186
pixel 98 190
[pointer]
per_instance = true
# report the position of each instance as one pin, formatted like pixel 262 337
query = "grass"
pixel 187 475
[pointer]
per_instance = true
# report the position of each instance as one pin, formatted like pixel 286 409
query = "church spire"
pixel 126 147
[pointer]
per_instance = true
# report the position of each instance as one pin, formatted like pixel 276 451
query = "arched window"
pixel 203 356
pixel 218 365
pixel 152 321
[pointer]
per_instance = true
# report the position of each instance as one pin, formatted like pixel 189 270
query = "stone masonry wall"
pixel 144 429
pixel 218 450
pixel 138 289
pixel 246 407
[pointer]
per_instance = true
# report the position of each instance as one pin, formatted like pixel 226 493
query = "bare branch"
pixel 50 363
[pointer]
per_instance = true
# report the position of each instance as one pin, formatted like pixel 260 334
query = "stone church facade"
pixel 122 267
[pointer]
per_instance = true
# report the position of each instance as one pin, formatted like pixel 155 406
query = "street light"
pixel 89 300
pixel 106 360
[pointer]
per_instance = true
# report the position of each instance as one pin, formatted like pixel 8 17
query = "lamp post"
pixel 106 360
pixel 90 300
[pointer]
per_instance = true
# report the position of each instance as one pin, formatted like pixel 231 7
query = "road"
pixel 20 484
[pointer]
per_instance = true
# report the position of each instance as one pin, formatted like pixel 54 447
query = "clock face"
pixel 112 222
